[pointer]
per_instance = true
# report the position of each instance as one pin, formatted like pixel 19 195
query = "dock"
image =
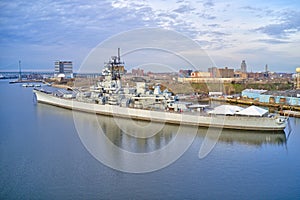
pixel 26 81
pixel 276 106
pixel 290 113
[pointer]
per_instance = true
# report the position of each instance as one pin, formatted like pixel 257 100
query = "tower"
pixel 243 66
pixel 298 78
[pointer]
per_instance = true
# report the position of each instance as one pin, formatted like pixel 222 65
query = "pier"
pixel 27 81
pixel 283 108
pixel 290 113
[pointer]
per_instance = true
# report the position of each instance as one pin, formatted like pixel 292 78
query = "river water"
pixel 53 153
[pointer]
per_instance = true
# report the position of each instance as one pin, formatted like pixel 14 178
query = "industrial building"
pixel 252 93
pixel 290 97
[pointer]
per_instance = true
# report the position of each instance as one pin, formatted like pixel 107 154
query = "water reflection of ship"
pixel 257 138
pixel 121 132
pixel 98 133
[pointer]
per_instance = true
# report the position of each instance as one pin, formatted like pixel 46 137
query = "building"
pixel 241 75
pixel 256 75
pixel 278 97
pixel 204 80
pixel 243 66
pixel 288 97
pixel 185 72
pixel 137 72
pixel 214 72
pixel 63 69
pixel 221 73
pixel 198 74
pixel 226 73
pixel 252 93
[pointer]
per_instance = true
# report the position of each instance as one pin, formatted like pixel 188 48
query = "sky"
pixel 260 32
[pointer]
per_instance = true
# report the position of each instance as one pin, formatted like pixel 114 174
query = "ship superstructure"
pixel 110 91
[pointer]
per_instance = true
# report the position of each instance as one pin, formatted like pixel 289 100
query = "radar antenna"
pixel 116 67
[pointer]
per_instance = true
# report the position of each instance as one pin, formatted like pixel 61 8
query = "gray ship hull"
pixel 227 122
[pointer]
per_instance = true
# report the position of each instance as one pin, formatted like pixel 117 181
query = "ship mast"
pixel 116 66
pixel 119 57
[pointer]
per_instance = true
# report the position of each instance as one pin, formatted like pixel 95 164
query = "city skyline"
pixel 37 33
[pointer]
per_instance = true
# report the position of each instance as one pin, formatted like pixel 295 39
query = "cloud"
pixel 206 16
pixel 272 41
pixel 214 25
pixel 288 24
pixel 208 3
pixel 62 23
pixel 183 9
pixel 251 8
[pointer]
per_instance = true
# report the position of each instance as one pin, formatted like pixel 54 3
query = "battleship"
pixel 109 97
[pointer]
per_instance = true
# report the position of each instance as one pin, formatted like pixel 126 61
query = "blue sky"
pixel 260 32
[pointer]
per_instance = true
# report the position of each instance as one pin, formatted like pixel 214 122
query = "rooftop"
pixel 287 93
pixel 255 91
